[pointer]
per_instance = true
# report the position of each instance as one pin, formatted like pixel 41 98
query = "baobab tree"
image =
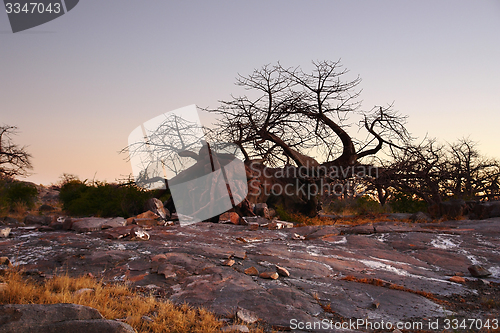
pixel 301 119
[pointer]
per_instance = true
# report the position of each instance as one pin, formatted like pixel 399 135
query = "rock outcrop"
pixel 308 273
pixel 29 318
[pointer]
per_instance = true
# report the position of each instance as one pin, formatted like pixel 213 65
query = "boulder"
pixel 261 209
pixel 114 223
pixel 478 271
pixel 40 220
pixel 88 224
pixel 156 206
pixel 485 210
pixel 45 318
pixel 7 220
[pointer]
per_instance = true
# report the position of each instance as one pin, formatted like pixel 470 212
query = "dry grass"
pixel 303 220
pixel 114 301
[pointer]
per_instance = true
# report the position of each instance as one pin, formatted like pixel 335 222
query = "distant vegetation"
pixel 15 194
pixel 80 198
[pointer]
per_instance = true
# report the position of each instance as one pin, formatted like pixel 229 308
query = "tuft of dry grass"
pixel 303 220
pixel 113 301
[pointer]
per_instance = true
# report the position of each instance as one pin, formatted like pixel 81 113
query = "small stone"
pixel 478 271
pixel 253 226
pixel 247 316
pixel 235 328
pixel 5 261
pixel 228 262
pixel 298 237
pixel 249 239
pixel 229 217
pixel 251 271
pixel 167 271
pixel 485 282
pixel 457 279
pixel 269 275
pixel 83 291
pixel 148 319
pixel 240 255
pixel 4 232
pixel 282 271
pixel 118 232
pixel 137 233
pixel 284 224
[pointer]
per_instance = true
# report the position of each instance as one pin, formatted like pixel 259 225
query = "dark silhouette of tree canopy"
pixel 14 160
pixel 437 172
pixel 293 117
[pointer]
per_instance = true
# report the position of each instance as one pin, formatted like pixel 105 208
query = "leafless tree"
pixel 436 172
pixel 14 159
pixel 290 116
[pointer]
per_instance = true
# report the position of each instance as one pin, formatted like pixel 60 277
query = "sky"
pixel 78 85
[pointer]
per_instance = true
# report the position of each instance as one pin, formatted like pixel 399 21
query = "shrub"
pixel 357 206
pixel 103 199
pixel 15 194
pixel 285 215
pixel 406 203
pixel 367 205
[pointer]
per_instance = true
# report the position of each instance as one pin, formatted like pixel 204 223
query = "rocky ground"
pixel 355 277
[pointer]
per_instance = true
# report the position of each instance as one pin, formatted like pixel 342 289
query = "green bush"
pixel 358 206
pixel 366 205
pixel 285 215
pixel 406 203
pixel 14 192
pixel 103 199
